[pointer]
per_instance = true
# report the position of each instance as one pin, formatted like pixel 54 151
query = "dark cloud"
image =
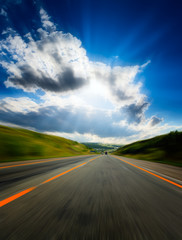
pixel 65 81
pixel 51 68
pixel 121 95
pixel 135 112
pixel 54 119
pixel 57 57
pixel 155 120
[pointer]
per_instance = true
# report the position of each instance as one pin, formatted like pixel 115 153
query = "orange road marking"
pixel 165 179
pixel 12 198
pixel 50 179
pixel 43 161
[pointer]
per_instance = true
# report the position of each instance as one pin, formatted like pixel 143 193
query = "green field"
pixel 101 147
pixel 21 144
pixel 165 149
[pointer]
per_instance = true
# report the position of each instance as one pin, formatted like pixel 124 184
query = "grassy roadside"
pixel 163 149
pixel 20 144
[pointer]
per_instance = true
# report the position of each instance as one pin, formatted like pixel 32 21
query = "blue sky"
pixel 107 71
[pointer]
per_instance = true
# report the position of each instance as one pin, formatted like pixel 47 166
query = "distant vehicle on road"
pixel 105 153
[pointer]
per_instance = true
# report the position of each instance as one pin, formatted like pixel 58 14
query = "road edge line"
pixel 156 175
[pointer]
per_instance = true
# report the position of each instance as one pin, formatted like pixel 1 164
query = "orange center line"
pixel 50 179
pixel 43 161
pixel 165 179
pixel 15 196
pixel 12 198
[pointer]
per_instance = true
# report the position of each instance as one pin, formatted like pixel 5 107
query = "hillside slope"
pixel 22 144
pixel 165 148
pixel 100 147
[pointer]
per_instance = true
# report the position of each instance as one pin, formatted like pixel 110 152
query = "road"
pixel 88 197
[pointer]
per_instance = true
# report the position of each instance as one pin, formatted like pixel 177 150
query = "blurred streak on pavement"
pixel 103 199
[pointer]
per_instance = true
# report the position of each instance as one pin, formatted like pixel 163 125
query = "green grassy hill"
pixel 165 148
pixel 21 144
pixel 100 147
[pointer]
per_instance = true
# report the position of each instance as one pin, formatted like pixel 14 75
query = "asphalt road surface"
pixel 92 197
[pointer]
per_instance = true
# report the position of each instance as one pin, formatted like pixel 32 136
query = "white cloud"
pixel 3 12
pixel 66 118
pixel 45 19
pixel 57 62
pixel 70 119
pixel 145 64
pixel 20 105
pixel 82 99
pixel 8 31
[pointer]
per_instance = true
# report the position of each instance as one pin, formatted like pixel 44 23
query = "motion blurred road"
pixel 88 197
